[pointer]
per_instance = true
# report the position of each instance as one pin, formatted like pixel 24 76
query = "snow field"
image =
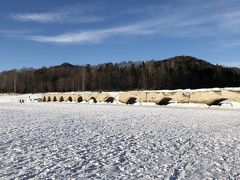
pixel 91 141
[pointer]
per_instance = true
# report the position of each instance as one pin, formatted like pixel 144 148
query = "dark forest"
pixel 179 72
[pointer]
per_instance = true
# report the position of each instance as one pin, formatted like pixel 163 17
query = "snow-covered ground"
pixel 6 98
pixel 91 141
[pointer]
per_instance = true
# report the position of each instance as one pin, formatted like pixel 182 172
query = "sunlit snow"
pixel 81 141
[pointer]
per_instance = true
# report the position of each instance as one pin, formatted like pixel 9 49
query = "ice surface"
pixel 91 141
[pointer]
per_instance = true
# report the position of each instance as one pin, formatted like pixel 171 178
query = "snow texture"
pixel 92 141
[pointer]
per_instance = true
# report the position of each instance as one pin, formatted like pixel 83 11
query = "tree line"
pixel 179 72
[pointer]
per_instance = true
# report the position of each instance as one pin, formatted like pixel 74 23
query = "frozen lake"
pixel 84 141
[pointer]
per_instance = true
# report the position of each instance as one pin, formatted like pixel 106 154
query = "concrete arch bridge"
pixel 161 97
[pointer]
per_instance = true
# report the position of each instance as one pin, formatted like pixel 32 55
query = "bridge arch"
pixel 164 101
pixel 131 100
pixel 54 98
pixel 79 99
pixel 48 99
pixel 61 99
pixel 70 99
pixel 92 100
pixel 110 100
pixel 217 102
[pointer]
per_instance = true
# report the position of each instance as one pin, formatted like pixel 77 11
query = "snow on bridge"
pixel 212 96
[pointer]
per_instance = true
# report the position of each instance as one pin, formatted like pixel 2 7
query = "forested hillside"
pixel 173 73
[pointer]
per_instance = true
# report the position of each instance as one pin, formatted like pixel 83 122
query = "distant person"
pixel 21 101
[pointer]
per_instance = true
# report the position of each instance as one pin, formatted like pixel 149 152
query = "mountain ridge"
pixel 179 72
pixel 174 58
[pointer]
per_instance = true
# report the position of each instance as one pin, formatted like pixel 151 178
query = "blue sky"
pixel 44 33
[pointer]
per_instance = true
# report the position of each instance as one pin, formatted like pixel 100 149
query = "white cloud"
pixel 180 25
pixel 77 13
pixel 56 18
pixel 94 36
pixel 15 33
pixel 230 44
pixel 42 17
pixel 188 19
